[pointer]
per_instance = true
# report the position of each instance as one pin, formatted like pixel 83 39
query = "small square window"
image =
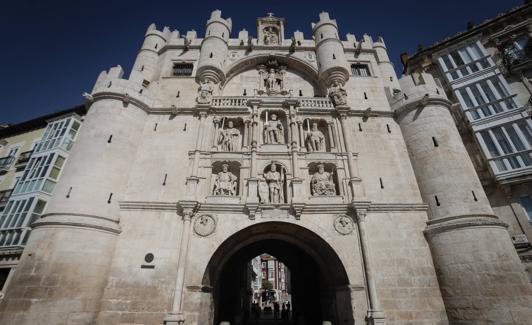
pixel 182 69
pixel 360 70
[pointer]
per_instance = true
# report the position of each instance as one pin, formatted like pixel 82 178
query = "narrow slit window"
pixel 435 142
pixel 388 128
pixel 365 95
pixel 380 181
pixel 334 57
pixel 210 56
pixel 437 201
pixel 110 139
pixel 360 127
pixel 474 196
pixel 155 127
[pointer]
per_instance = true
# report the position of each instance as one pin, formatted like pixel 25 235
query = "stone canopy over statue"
pixel 273 130
pixel 322 183
pixel 315 140
pixel 225 182
pixel 229 138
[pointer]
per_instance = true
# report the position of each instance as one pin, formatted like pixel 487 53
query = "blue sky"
pixel 54 50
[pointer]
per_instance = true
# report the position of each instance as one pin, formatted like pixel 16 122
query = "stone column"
pixel 193 180
pixel 176 316
pixel 252 201
pixel 354 180
pixel 301 139
pixel 216 121
pixel 247 123
pixel 330 127
pixel 375 314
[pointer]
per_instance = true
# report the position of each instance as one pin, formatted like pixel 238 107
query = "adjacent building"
pixel 32 156
pixel 486 72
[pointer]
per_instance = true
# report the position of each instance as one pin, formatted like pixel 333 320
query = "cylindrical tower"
pixel 65 264
pixel 214 48
pixel 480 274
pixel 332 66
pixel 385 65
pixel 146 63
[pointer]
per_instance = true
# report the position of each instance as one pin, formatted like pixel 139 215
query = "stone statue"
pixel 275 181
pixel 338 94
pixel 273 131
pixel 205 92
pixel 322 182
pixel 271 80
pixel 225 182
pixel 230 138
pixel 270 36
pixel 315 140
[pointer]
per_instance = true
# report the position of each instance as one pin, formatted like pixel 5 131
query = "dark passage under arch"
pixel 318 278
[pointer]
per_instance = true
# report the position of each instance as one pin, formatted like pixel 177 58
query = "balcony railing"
pixel 24 157
pixel 241 102
pixel 5 163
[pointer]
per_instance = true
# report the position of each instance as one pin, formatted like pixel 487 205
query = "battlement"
pixel 216 17
pixel 418 87
pixel 324 20
pixel 112 84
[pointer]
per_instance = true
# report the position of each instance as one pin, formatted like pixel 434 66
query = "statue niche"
pixel 324 179
pixel 272 186
pixel 272 78
pixel 315 139
pixel 271 35
pixel 229 138
pixel 274 129
pixel 225 182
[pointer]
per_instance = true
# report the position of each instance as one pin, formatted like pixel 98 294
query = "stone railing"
pixel 228 102
pixel 240 102
pixel 316 103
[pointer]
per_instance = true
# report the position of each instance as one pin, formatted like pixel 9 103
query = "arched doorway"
pixel 317 276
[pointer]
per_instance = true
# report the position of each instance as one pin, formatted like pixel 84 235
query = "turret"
pixel 146 64
pixel 214 48
pixel 74 240
pixel 471 248
pixel 332 66
pixel 385 65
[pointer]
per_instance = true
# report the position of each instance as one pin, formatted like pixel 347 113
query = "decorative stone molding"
pixel 204 225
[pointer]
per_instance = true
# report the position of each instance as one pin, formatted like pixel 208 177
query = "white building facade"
pixel 216 148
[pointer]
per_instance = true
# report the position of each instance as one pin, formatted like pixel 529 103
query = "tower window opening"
pixel 165 177
pixel 140 91
pixel 223 34
pixel 178 94
pixel 142 68
pixel 474 196
pixel 360 127
pixel 435 142
pixel 185 127
pixel 365 95
pixel 155 127
pixel 388 128
pixel 391 78
pixel 321 35
pixel 334 57
pixel 360 70
pixel 156 45
pixel 437 201
pixel 245 92
pixel 110 139
pixel 210 56
pixel 380 181
pixel 300 92
pixel 181 69
pixel 437 91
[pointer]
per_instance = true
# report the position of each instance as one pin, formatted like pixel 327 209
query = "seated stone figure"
pixel 322 182
pixel 225 182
